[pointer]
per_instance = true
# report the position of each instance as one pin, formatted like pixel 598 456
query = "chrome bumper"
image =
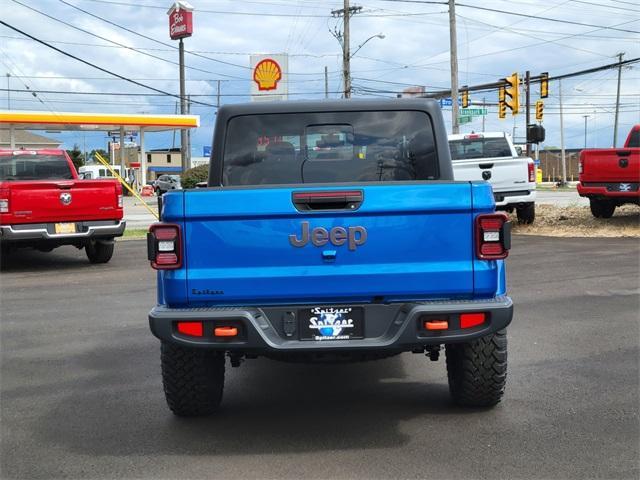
pixel 46 231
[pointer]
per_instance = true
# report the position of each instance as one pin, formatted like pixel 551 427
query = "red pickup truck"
pixel 43 204
pixel 610 177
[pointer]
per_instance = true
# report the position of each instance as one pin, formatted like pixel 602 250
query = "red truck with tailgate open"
pixel 43 204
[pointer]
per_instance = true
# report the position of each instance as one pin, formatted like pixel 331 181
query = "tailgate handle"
pixel 486 165
pixel 623 153
pixel 335 200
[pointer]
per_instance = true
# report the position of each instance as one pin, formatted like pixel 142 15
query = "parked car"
pixel 610 177
pixel 164 183
pixel 491 156
pixel 365 250
pixel 43 204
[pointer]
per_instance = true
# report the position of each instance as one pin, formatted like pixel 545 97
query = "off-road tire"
pixel 602 208
pixel 527 214
pixel 98 251
pixel 477 370
pixel 193 379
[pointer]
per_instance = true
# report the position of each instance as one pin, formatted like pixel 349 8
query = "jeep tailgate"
pixel 241 245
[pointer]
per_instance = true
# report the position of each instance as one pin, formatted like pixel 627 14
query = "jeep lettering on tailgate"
pixel 353 236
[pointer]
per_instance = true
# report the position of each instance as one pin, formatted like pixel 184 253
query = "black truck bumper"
pixel 276 330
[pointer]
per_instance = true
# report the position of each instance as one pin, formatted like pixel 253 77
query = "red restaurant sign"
pixel 180 21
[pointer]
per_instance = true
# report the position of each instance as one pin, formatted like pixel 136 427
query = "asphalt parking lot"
pixel 81 395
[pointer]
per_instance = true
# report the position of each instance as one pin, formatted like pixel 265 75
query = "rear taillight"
pixel 580 166
pixel 119 194
pixel 532 172
pixel 5 193
pixel 164 246
pixel 493 236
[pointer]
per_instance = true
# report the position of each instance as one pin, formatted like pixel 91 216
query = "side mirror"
pixel 519 151
pixel 81 176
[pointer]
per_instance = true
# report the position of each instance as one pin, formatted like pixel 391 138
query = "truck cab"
pixel 330 231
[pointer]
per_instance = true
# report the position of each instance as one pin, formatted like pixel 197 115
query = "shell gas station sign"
pixel 269 77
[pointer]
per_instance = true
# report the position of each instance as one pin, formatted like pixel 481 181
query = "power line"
pixel 270 14
pixel 93 65
pixel 483 87
pixel 507 12
pixel 150 38
pixel 140 51
pixel 605 6
pixel 114 42
pixel 138 94
pixel 548 19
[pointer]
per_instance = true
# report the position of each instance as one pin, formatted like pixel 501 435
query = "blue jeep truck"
pixel 330 231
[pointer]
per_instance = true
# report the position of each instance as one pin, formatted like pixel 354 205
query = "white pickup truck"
pixel 491 156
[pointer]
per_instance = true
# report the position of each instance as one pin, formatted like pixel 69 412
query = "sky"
pixel 495 39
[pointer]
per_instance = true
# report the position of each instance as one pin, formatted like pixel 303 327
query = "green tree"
pixel 76 156
pixel 190 177
pixel 103 153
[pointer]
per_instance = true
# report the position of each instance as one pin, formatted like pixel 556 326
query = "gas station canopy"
pixel 28 120
pixel 94 122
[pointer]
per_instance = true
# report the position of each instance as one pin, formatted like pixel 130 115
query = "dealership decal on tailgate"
pixel 331 323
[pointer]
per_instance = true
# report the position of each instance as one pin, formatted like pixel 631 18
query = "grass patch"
pixel 134 234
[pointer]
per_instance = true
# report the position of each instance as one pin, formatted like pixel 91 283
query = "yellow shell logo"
pixel 267 74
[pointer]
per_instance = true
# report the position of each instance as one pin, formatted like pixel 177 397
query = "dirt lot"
pixel 575 221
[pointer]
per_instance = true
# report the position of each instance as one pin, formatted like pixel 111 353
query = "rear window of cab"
pixel 329 147
pixel 34 166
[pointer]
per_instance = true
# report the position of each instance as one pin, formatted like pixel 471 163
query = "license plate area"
pixel 331 323
pixel 623 187
pixel 65 228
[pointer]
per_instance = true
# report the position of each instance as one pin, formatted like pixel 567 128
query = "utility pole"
pixel 346 13
pixel 218 96
pixel 184 151
pixel 8 91
pixel 326 82
pixel 189 133
pixel 563 182
pixel 585 130
pixel 527 81
pixel 346 52
pixel 453 48
pixel 484 106
pixel 173 144
pixel 615 123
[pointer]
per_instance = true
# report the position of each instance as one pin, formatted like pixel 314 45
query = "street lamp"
pixel 379 35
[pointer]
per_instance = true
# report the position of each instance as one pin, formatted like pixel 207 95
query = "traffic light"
pixel 465 99
pixel 512 92
pixel 539 110
pixel 502 106
pixel 544 85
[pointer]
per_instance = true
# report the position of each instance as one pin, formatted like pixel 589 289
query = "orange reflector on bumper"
pixel 469 320
pixel 193 329
pixel 226 332
pixel 436 324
